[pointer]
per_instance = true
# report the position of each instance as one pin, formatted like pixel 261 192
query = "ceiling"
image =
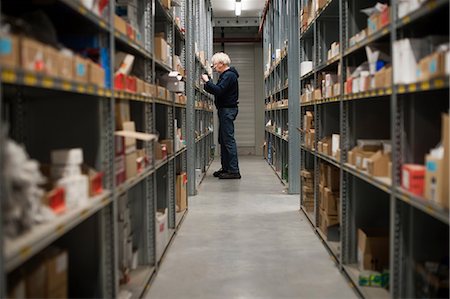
pixel 225 8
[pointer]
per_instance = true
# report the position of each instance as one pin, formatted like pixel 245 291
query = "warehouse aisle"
pixel 246 239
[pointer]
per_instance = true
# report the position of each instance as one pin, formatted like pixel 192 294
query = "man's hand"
pixel 205 78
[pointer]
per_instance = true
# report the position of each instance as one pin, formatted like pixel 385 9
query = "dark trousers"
pixel 228 148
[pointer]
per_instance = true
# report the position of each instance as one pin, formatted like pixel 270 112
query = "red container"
pixel 120 81
pixel 384 17
pixel 56 200
pixel 131 84
pixel 413 178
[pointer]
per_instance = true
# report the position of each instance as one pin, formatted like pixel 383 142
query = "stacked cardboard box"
pixel 307 177
pixel 330 146
pixel 328 197
pixel 308 128
pixel 45 277
pixel 373 156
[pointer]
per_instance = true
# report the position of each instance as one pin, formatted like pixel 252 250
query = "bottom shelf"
pixel 139 280
pixel 367 292
pixel 278 173
pixel 335 247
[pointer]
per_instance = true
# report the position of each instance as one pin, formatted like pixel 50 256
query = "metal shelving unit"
pixel 400 113
pixel 200 103
pixel 32 100
pixel 281 145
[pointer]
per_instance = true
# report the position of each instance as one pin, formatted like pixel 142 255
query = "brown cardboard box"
pixel 130 143
pixel 326 149
pixel 317 94
pixel 96 74
pixel 380 78
pixel 166 4
pixel 361 159
pixel 389 170
pixel 308 121
pixel 161 93
pixel 169 144
pixel 325 221
pixel 432 66
pixel 378 164
pixel 329 202
pixel 181 194
pixel 10 51
pixel 321 197
pixel 373 23
pixel 373 249
pixel 36 281
pixel 150 89
pixel 333 178
pixel 122 111
pixel 120 24
pixel 33 55
pixel 80 69
pixel 338 154
pixel 65 66
pixel 161 49
pixel 131 162
pixel 51 61
pixel 17 291
pixel 57 275
pixel 158 151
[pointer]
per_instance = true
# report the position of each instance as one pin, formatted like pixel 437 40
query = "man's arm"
pixel 219 89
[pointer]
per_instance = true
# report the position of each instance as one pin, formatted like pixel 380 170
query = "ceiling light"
pixel 238 7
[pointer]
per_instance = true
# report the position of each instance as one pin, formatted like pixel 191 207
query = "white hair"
pixel 221 57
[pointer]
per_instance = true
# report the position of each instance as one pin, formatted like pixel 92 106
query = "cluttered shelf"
pixel 328 63
pixel 370 39
pixel 328 159
pixel 278 135
pixel 382 183
pixel 429 207
pixel 276 63
pixel 125 95
pixel 20 249
pixel 163 10
pixel 310 23
pixel 163 102
pixel 160 64
pixel 82 10
pixel 426 9
pixel 433 84
pixel 22 77
pixel 378 92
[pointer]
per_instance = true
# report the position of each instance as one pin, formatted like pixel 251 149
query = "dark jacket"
pixel 226 91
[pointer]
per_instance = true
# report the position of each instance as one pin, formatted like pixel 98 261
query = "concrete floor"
pixel 246 239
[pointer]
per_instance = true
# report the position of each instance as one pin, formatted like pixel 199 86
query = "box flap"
pixel 137 135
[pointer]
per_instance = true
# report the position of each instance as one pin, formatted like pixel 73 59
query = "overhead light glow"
pixel 238 7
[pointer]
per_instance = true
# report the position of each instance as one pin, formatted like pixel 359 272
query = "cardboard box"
pixel 96 74
pixel 51 61
pixel 162 232
pixel 140 86
pixel 326 221
pixel 431 66
pixel 10 50
pixel 131 164
pixel 169 145
pixel 65 65
pixel 57 275
pixel 333 178
pixel 373 23
pixel 131 84
pixel 166 4
pixel 373 249
pixel 32 55
pixel 119 168
pixel 122 112
pixel 120 24
pixel 36 282
pixel 378 164
pixel 130 143
pixel 361 159
pixel 72 156
pixel 329 202
pixel 161 48
pixel 181 194
pixel 317 94
pixel 80 69
pixel 161 93
pixel 308 121
pixel 413 176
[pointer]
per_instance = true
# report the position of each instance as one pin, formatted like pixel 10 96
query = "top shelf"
pixel 327 10
pixel 427 8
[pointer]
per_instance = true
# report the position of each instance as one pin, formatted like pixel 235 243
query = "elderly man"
pixel 226 93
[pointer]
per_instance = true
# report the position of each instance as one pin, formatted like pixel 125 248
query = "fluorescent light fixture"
pixel 238 7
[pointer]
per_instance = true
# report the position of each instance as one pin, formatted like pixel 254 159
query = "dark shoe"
pixel 230 176
pixel 219 172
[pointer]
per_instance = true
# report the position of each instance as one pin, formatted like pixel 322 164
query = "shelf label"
pixel 401 89
pixel 84 213
pixel 9 76
pixel 412 87
pixel 60 229
pixel 439 83
pixel 25 252
pixel 373 93
pixel 66 86
pixel 406 20
pixel 90 89
pixel 101 92
pixel 30 80
pixel 431 4
pixel 81 88
pixel 47 83
pixel 389 91
pixel 82 10
pixel 102 24
pixel 425 85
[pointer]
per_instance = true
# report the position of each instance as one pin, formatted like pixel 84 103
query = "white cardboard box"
pixel 67 156
pixel 162 233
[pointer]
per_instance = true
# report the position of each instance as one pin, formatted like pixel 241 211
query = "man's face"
pixel 218 67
